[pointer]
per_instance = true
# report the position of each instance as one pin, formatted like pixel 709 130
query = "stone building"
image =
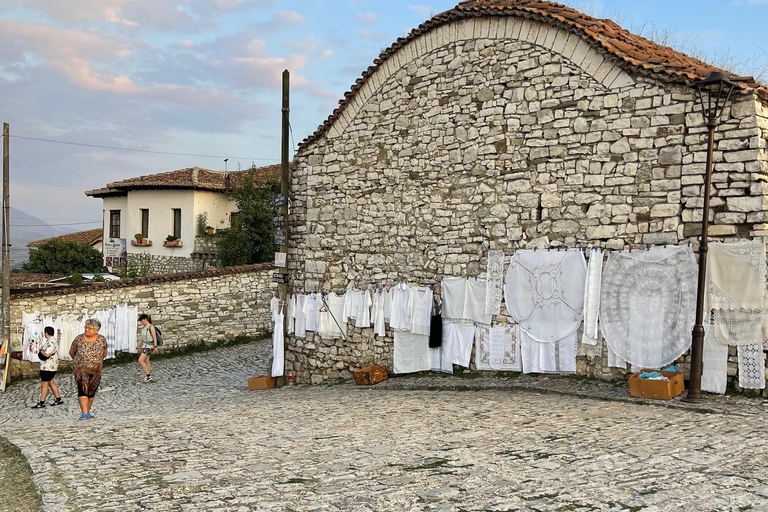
pixel 511 124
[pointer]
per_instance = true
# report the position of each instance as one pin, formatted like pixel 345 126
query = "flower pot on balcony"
pixel 172 243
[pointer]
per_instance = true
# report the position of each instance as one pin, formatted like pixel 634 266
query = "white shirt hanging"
pixel 420 310
pixel 310 312
pixel 300 327
pixel 400 319
pixel 363 317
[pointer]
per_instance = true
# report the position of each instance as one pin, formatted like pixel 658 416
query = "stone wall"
pixel 190 308
pixel 505 132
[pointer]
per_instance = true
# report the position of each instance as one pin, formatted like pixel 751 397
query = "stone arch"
pixel 572 47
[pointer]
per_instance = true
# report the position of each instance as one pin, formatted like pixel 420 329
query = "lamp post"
pixel 714 93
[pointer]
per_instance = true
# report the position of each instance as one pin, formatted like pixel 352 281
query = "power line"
pixel 142 150
pixel 43 225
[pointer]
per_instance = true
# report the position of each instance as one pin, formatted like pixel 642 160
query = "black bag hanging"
pixel 436 331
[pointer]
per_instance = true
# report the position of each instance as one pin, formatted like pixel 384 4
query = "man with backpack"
pixel 150 339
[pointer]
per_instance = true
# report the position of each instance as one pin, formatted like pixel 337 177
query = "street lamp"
pixel 714 93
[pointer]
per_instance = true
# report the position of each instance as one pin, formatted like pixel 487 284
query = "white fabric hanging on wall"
pixel 557 357
pixel 544 293
pixel 497 348
pixel 278 346
pixel 379 327
pixel 454 292
pixel 290 314
pixel 400 319
pixel 494 290
pixel 714 372
pixel 465 299
pixel 133 323
pixel 456 346
pixel 310 312
pixel 387 296
pixel 648 303
pixel 351 304
pixel 300 328
pixel 751 366
pixel 363 317
pixel 411 353
pixel 330 313
pixel 420 310
pixel 592 297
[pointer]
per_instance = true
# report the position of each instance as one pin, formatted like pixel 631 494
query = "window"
pixel 144 222
pixel 176 222
pixel 232 217
pixel 114 223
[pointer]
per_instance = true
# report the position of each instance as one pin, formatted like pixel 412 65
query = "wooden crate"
pixel 370 375
pixel 656 389
pixel 263 382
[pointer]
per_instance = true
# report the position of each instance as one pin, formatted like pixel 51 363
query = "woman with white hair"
pixel 88 351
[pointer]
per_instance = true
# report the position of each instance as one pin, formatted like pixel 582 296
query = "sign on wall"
pixel 280 200
pixel 280 259
pixel 279 278
pixel 115 254
pixel 281 238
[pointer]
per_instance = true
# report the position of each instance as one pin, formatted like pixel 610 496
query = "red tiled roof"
pixel 632 51
pixel 89 237
pixel 191 178
pixel 21 280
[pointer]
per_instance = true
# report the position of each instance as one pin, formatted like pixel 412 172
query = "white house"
pixel 168 204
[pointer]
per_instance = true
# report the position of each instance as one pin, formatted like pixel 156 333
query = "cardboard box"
pixel 370 375
pixel 656 389
pixel 263 382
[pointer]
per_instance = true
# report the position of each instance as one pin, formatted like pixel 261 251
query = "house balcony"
pixel 144 242
pixel 205 245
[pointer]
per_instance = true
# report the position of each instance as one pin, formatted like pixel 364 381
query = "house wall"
pixel 504 132
pixel 216 205
pixel 190 308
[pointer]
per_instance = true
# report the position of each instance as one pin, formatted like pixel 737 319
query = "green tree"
pixel 251 237
pixel 63 257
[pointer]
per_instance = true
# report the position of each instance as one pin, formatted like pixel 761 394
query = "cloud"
pixel 308 44
pixel 370 36
pixel 281 20
pixel 423 11
pixel 325 54
pixel 366 18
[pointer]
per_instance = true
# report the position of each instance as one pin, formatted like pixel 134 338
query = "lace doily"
pixel 738 326
pixel 648 303
pixel 497 348
pixel 751 367
pixel 494 291
pixel 544 293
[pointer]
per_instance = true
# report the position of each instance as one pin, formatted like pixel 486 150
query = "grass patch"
pixel 17 490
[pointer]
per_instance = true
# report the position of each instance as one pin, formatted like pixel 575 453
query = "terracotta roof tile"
pixel 630 49
pixel 82 237
pixel 22 280
pixel 191 178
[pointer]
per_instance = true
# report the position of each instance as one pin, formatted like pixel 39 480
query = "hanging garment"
pixel 121 328
pixel 363 317
pixel 550 357
pixel 454 292
pixel 436 331
pixel 310 312
pixel 109 328
pixel 300 325
pixel 49 321
pixel 465 299
pixel 278 346
pixel 68 333
pixel 497 348
pixel 387 306
pixel 592 297
pixel 544 293
pixel 474 306
pixel 583 349
pixel 420 309
pixel 751 366
pixel 133 324
pixel 647 304
pixel 33 340
pixel 735 291
pixel 330 316
pixel 274 307
pixel 714 372
pixel 379 327
pixel 411 353
pixel 290 314
pixel 351 304
pixel 460 339
pixel 442 356
pixel 495 279
pixel 400 318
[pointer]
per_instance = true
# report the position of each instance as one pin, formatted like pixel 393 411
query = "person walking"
pixel 88 351
pixel 49 364
pixel 148 344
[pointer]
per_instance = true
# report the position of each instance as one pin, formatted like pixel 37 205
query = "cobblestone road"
pixel 199 440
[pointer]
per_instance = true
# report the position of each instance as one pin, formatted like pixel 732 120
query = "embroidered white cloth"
pixel 400 318
pixel 464 299
pixel 648 303
pixel 497 348
pixel 544 293
pixel 592 297
pixel 454 293
pixel 557 357
pixel 494 289
pixel 714 372
pixel 735 290
pixel 363 318
pixel 330 312
pixel 420 310
pixel 278 346
pixel 751 366
pixel 411 353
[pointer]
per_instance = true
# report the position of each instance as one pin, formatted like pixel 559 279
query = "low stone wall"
pixel 190 307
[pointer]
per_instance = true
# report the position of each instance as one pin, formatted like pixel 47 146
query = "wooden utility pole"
pixel 6 251
pixel 285 180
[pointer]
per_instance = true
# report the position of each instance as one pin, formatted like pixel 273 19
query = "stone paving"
pixel 197 439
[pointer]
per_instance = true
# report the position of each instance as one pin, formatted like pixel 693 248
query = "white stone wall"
pixel 505 132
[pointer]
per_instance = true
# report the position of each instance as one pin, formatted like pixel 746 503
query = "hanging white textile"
pixel 411 353
pixel 133 323
pixel 420 309
pixel 68 333
pixel 33 340
pixel 615 361
pixel 442 356
pixel 592 297
pixel 329 314
pixel 464 299
pixel 456 346
pixel 454 292
pixel 363 316
pixel 494 289
pixel 556 357
pixel 122 328
pixel 497 348
pixel 714 371
pixel 648 302
pixel 751 366
pixel 290 313
pixel 735 291
pixel 300 327
pixel 379 328
pixel 274 307
pixel 310 312
pixel 544 293
pixel 387 306
pixel 278 346
pixel 351 303
pixel 400 318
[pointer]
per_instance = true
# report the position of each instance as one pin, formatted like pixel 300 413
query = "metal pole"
pixel 697 345
pixel 284 187
pixel 6 297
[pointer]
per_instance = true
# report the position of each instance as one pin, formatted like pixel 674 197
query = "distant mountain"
pixel 26 228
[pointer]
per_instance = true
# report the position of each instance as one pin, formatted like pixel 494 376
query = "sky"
pixel 202 77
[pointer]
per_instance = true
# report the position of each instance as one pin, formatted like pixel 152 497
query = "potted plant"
pixel 172 241
pixel 209 230
pixel 139 238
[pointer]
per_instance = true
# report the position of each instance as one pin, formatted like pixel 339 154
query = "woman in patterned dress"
pixel 88 351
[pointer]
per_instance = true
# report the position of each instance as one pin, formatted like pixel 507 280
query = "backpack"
pixel 158 336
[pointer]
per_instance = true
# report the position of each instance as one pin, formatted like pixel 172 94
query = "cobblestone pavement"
pixel 197 439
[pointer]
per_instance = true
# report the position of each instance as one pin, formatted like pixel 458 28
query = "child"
pixel 49 364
